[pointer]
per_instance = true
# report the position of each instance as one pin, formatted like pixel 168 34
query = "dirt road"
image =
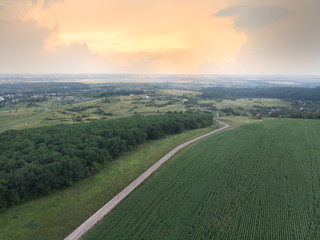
pixel 102 212
pixel 29 118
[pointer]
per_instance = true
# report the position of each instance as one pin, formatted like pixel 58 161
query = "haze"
pixel 160 37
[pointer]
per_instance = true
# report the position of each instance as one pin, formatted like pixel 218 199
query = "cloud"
pixel 44 3
pixel 209 68
pixel 22 48
pixel 20 43
pixel 47 3
pixel 4 21
pixel 265 36
pixel 253 17
pixel 283 38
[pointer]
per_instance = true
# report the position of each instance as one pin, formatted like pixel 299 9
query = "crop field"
pixel 259 181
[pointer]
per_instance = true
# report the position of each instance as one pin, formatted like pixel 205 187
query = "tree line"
pixel 35 162
pixel 28 88
pixel 292 93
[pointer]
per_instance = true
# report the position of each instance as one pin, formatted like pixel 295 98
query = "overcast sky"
pixel 167 36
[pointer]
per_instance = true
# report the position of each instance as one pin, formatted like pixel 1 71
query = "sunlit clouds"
pixel 146 36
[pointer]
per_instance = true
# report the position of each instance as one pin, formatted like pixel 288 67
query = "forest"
pixel 288 93
pixel 35 162
pixel 41 88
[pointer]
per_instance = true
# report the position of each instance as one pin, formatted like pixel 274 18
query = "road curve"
pixel 102 212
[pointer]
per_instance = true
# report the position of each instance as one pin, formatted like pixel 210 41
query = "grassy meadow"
pixel 259 181
pixel 74 112
pixel 245 102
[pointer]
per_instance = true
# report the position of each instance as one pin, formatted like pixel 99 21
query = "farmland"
pixel 259 181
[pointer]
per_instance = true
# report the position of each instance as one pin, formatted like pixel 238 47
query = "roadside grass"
pixel 236 121
pixel 56 215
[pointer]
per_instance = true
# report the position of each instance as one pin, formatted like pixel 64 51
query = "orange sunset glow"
pixel 176 36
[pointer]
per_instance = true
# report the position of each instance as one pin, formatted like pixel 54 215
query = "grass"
pixel 55 216
pixel 259 181
pixel 175 92
pixel 11 115
pixel 236 121
pixel 245 102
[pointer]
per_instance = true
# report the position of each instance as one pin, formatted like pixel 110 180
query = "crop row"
pixel 261 181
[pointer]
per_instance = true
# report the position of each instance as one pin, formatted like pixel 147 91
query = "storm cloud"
pixel 280 40
pixel 23 46
pixel 252 17
pixel 169 36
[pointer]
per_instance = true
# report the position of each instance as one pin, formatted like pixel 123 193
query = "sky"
pixel 160 37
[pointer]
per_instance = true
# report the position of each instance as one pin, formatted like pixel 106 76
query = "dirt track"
pixel 29 118
pixel 102 212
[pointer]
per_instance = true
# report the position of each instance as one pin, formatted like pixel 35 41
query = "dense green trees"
pixel 270 92
pixel 34 162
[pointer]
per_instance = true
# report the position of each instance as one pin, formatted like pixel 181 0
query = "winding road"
pixel 102 212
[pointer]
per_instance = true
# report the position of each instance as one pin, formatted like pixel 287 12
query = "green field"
pixel 11 115
pixel 259 181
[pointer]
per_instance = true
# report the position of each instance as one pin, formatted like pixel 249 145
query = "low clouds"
pixel 23 46
pixel 252 17
pixel 170 36
pixel 283 36
pixel 20 43
pixel 44 3
pixel 23 50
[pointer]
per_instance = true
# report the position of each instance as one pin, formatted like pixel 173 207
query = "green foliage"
pixel 35 162
pixel 260 181
pixel 270 92
pixel 42 87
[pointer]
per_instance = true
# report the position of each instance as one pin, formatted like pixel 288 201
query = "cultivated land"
pixel 55 216
pixel 259 181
